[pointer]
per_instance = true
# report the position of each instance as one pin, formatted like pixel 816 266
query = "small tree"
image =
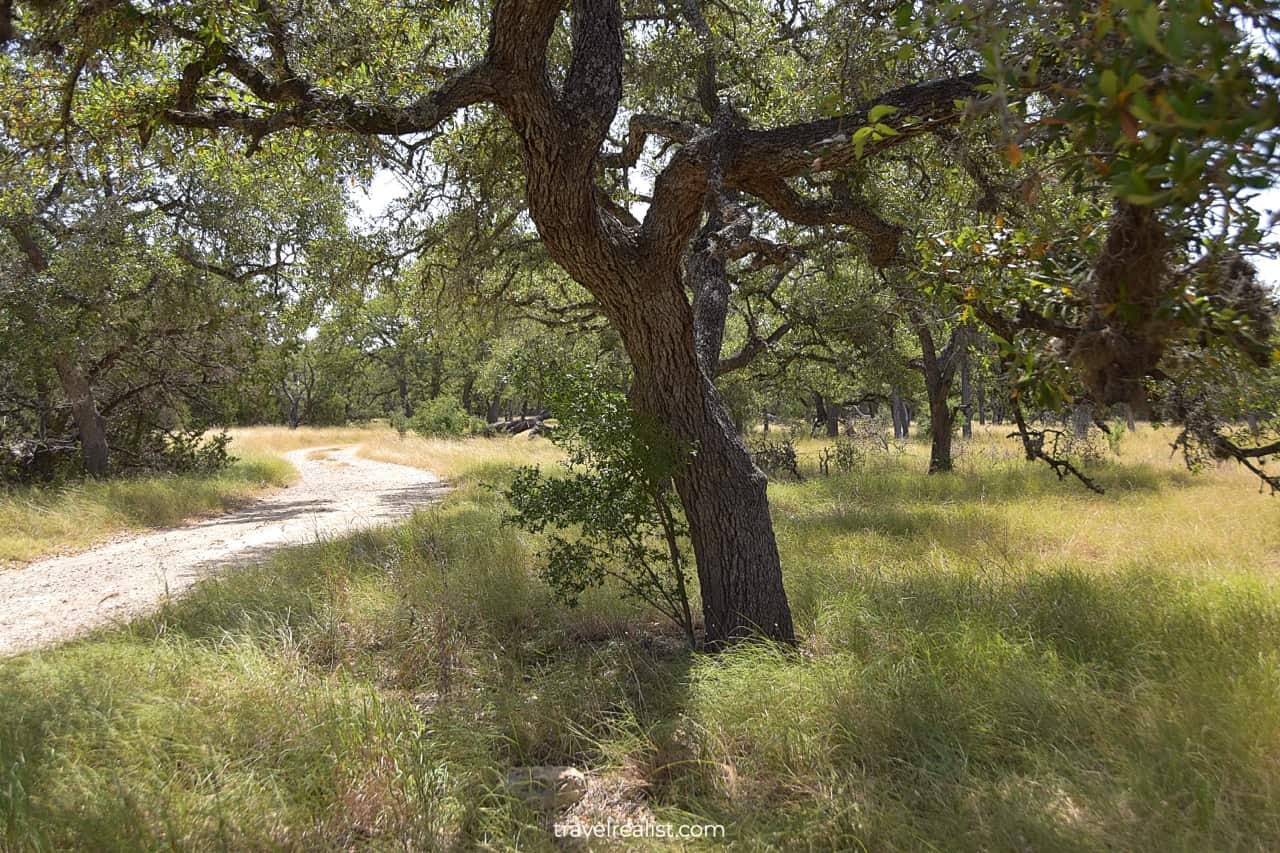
pixel 612 513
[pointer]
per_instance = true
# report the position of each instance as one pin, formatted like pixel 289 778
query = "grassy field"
pixel 991 660
pixel 35 521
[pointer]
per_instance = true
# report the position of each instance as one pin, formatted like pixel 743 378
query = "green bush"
pixel 443 417
pixel 399 422
pixel 187 451
pixel 612 512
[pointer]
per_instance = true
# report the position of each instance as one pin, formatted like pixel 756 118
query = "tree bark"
pixel 723 493
pixel 833 420
pixel 820 413
pixel 84 411
pixel 939 369
pixel 940 426
pixel 966 395
pixel 1082 419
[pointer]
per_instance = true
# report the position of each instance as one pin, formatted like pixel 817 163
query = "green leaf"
pixel 1110 83
pixel 860 137
pixel 880 111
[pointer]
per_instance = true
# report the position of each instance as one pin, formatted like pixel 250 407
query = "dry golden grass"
pixel 1000 510
pixel 35 521
pixel 448 458
pixel 279 440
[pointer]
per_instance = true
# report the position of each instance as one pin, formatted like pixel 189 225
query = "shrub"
pixel 187 451
pixel 613 513
pixel 399 422
pixel 844 456
pixel 442 417
pixel 775 456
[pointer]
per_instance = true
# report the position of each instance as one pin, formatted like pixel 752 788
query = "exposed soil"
pixel 337 492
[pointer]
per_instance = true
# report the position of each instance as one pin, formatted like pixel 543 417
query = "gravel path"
pixel 337 492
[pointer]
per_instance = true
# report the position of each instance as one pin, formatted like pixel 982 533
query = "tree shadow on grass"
pixel 1054 711
pixel 927 708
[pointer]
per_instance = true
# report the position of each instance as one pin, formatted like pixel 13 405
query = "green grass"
pixel 988 661
pixel 35 521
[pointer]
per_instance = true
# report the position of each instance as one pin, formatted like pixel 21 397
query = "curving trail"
pixel 337 492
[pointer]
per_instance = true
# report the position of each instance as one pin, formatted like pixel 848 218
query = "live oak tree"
pixel 753 109
pixel 133 285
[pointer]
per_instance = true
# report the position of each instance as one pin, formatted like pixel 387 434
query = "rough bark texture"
pixel 84 410
pixel 901 421
pixel 939 369
pixel 940 427
pixel 722 491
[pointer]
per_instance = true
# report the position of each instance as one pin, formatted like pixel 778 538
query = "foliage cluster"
pixel 443 417
pixel 612 512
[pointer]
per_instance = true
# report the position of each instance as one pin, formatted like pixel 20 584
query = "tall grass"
pixel 988 661
pixel 35 521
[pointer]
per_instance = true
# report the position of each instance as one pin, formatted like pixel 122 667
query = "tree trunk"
pixel 939 369
pixel 84 410
pixel 833 421
pixel 819 413
pixel 437 373
pixel 939 428
pixel 468 389
pixel 638 277
pixel 966 395
pixel 982 404
pixel 1129 419
pixel 1082 419
pixel 721 489
pixel 895 411
pixel 402 391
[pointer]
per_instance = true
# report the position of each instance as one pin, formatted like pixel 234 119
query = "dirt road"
pixel 337 492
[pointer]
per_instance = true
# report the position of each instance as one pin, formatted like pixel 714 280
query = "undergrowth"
pixel 990 661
